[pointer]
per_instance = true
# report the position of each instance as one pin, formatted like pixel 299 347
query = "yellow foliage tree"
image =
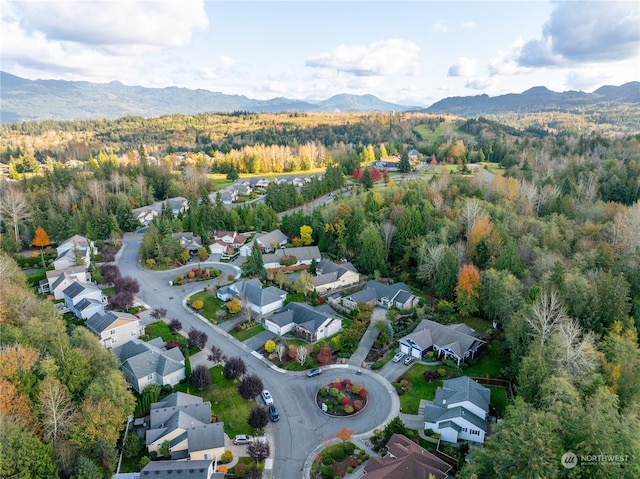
pixel 305 234
pixel 234 306
pixel 270 346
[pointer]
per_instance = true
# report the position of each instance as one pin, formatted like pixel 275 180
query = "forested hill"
pixel 24 100
pixel 538 99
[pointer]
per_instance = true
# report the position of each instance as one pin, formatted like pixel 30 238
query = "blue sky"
pixel 409 52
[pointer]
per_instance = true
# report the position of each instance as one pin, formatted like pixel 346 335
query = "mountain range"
pixel 33 100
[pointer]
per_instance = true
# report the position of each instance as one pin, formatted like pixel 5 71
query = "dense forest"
pixel 549 247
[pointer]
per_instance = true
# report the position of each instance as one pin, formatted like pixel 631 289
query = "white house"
pixel 451 341
pixel 330 275
pixel 251 293
pixel 375 293
pixel 303 320
pixel 268 242
pixel 84 299
pixel 150 362
pixel 302 255
pixel 114 328
pixel 459 410
pixel 75 251
pixel 58 280
pixel 184 421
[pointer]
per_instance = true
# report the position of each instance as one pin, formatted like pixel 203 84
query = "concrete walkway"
pixel 369 337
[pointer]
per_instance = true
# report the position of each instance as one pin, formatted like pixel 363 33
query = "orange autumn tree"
pixel 344 434
pixel 40 240
pixel 468 290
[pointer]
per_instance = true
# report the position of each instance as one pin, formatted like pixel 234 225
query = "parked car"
pixel 314 372
pixel 243 439
pixel 409 359
pixel 275 417
pixel 266 397
pixel 398 357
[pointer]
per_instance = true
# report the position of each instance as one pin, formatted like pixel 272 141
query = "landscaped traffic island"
pixel 342 398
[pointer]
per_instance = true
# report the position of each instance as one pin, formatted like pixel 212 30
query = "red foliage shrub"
pixel 337 384
pixel 358 404
pixel 363 393
pixel 346 382
pixel 345 401
pixel 376 174
pixel 172 343
pixel 357 174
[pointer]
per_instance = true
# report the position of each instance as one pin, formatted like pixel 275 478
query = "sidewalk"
pixel 369 337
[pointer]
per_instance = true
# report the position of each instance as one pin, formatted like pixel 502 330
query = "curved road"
pixel 302 426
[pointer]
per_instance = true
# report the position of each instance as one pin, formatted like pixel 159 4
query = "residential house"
pixel 376 293
pixel 459 410
pixel 219 247
pixel 267 242
pixel 75 251
pixel 303 255
pixel 405 459
pixel 188 241
pixel 178 469
pixel 58 280
pixel 388 164
pixel 312 323
pixel 150 362
pixel 251 293
pixel 84 299
pixel 184 421
pixel 451 341
pixel 330 275
pixel 227 242
pixel 228 195
pixel 146 214
pixel 259 183
pixel 244 188
pixel 114 328
pixel 413 154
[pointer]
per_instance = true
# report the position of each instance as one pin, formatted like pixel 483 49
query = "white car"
pixel 243 439
pixel 266 397
pixel 398 357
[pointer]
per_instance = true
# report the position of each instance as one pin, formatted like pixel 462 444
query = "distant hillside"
pixel 66 100
pixel 536 99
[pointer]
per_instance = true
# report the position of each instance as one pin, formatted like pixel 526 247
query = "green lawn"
pixel 226 402
pixel 499 399
pixel 211 304
pixel 420 389
pixel 247 333
pixel 160 329
pixel 489 364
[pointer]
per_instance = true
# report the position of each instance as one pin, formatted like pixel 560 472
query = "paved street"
pixel 303 426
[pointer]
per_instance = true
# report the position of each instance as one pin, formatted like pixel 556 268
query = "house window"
pixel 208 456
pixel 133 333
pixel 150 377
pixel 113 331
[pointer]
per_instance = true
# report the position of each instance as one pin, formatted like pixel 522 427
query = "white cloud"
pixel 385 57
pixel 582 32
pixel 504 63
pixel 114 22
pixel 478 83
pixel 464 67
pixel 469 25
pixel 440 28
pixel 226 62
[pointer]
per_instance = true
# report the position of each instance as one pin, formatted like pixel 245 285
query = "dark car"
pixel 275 417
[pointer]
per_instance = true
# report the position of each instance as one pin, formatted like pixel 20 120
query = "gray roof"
pixel 142 359
pixel 85 303
pixel 454 391
pixel 303 315
pixel 252 291
pixel 275 236
pixel 303 253
pixel 177 399
pixel 377 290
pixel 178 469
pixel 329 272
pixel 100 322
pixel 75 288
pixel 207 436
pixel 452 337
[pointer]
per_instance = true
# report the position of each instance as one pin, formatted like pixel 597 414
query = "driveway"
pixel 369 337
pixel 257 341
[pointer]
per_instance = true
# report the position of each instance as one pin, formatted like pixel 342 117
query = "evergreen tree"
pixel 254 263
pixel 404 166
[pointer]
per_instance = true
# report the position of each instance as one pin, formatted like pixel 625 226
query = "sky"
pixel 406 52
